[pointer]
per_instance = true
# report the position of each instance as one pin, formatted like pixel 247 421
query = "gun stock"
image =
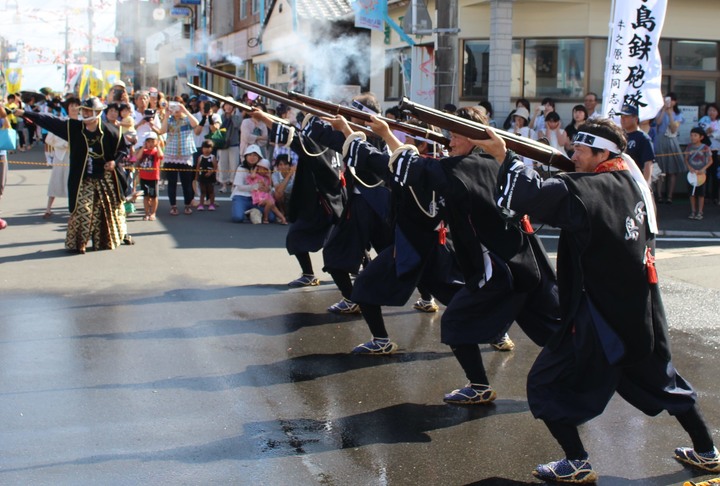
pixel 523 146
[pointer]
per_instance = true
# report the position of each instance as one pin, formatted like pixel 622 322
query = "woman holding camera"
pixel 667 148
pixel 179 126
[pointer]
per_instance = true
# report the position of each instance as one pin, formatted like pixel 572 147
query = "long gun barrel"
pixel 526 147
pixel 233 102
pixel 308 102
pixel 349 112
pixel 276 95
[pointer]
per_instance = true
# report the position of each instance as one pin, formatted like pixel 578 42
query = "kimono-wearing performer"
pixel 614 336
pixel 95 186
pixel 317 198
pixel 507 274
pixel 364 222
pixel 422 253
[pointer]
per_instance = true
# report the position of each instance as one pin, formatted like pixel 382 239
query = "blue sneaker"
pixel 344 307
pixel 471 394
pixel 566 471
pixel 304 281
pixel 708 461
pixel 376 347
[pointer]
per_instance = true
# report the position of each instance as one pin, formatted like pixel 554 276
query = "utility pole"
pixel 67 45
pixel 446 59
pixel 90 32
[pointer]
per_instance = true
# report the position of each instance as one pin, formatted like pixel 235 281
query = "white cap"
pixel 151 135
pixel 264 163
pixel 120 83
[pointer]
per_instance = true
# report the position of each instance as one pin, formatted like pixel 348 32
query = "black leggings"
pixel 470 359
pixel 305 263
pixel 343 282
pixel 186 175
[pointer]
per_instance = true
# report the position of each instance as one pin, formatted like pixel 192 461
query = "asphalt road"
pixel 185 359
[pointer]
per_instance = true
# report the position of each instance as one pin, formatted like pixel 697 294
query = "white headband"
pixel 596 141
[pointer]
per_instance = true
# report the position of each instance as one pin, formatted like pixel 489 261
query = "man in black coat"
pixel 614 336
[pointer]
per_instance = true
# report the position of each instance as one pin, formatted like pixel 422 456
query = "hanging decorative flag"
pixel 370 14
pixel 14 80
pixel 73 76
pixel 633 72
pixel 109 78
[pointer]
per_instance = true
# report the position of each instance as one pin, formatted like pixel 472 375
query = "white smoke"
pixel 328 63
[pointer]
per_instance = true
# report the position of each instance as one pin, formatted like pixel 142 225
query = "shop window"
pixel 596 67
pixel 243 9
pixel 397 79
pixel 476 62
pixel 554 68
pixel 694 55
pixel 516 65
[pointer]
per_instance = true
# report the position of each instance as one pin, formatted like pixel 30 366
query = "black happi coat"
pixel 72 131
pixel 417 253
pixel 608 263
pixel 466 183
pixel 369 184
pixel 318 197
pixel 602 251
pixel 416 211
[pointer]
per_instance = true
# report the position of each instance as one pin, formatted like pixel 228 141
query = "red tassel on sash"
pixel 525 224
pixel 442 233
pixel 650 264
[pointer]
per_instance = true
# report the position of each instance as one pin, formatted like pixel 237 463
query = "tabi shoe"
pixel 566 471
pixel 426 305
pixel 469 395
pixel 708 461
pixel 699 216
pixel 304 281
pixel 344 307
pixel 504 343
pixel 376 347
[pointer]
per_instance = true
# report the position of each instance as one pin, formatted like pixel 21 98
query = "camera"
pixel 148 114
pixel 174 106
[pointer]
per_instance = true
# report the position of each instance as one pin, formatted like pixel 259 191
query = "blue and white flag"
pixel 633 72
pixel 370 14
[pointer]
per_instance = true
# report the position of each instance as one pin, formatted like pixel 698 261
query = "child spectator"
pixel 698 158
pixel 207 176
pixel 555 137
pixel 282 180
pixel 262 196
pixel 148 160
pixel 126 120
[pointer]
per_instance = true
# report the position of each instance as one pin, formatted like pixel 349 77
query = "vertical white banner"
pixel 633 72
